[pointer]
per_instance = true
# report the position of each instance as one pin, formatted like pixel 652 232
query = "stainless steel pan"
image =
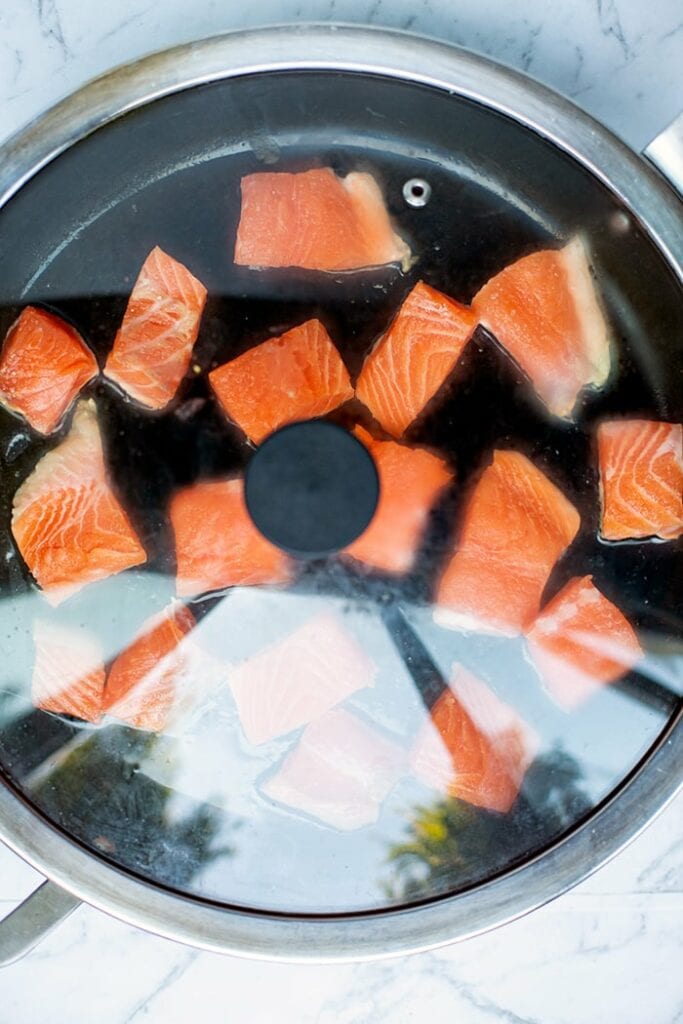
pixel 356 86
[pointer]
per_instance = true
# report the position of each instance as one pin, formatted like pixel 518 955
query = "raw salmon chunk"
pixel 410 481
pixel 641 479
pixel 298 376
pixel 142 687
pixel 316 221
pixel 153 346
pixel 545 312
pixel 216 542
pixel 516 525
pixel 296 680
pixel 413 358
pixel 68 671
pixel 474 746
pixel 67 522
pixel 581 641
pixel 339 772
pixel 44 364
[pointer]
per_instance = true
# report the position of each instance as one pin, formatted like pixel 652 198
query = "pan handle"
pixel 33 919
pixel 666 153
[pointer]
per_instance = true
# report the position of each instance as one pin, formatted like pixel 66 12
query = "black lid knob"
pixel 311 488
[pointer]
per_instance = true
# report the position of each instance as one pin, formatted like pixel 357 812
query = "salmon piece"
pixel 216 542
pixel 316 221
pixel 641 479
pixel 67 522
pixel 580 642
pixel 44 364
pixel 516 525
pixel 339 772
pixel 410 481
pixel 544 310
pixel 297 376
pixel 153 346
pixel 142 687
pixel 414 357
pixel 474 747
pixel 299 678
pixel 68 671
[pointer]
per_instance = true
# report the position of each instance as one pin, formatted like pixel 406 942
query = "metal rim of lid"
pixel 650 786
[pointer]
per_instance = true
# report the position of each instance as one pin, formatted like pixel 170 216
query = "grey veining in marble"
pixel 606 951
pixel 621 61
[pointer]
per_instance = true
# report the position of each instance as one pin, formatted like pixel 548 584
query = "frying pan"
pixel 134 159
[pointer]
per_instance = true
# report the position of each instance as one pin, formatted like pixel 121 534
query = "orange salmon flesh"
pixel 316 221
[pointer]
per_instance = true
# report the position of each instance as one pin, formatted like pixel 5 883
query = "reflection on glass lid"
pixel 479 655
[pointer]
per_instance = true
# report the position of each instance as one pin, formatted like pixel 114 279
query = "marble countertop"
pixel 608 950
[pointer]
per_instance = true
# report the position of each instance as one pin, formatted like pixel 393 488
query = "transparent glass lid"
pixel 340 494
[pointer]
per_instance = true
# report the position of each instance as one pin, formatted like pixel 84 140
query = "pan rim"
pixel 653 204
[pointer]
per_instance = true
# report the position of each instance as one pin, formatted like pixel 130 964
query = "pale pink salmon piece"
pixel 153 347
pixel 474 746
pixel 414 357
pixel 339 772
pixel 68 671
pixel 143 682
pixel 298 679
pixel 544 310
pixel 641 479
pixel 44 364
pixel 67 522
pixel 580 642
pixel 316 221
pixel 516 525
pixel 296 376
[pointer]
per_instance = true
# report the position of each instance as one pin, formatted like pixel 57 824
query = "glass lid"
pixel 340 493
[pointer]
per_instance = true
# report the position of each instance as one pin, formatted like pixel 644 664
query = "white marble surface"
pixel 619 59
pixel 611 949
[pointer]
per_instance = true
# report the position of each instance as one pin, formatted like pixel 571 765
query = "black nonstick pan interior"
pixel 73 239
